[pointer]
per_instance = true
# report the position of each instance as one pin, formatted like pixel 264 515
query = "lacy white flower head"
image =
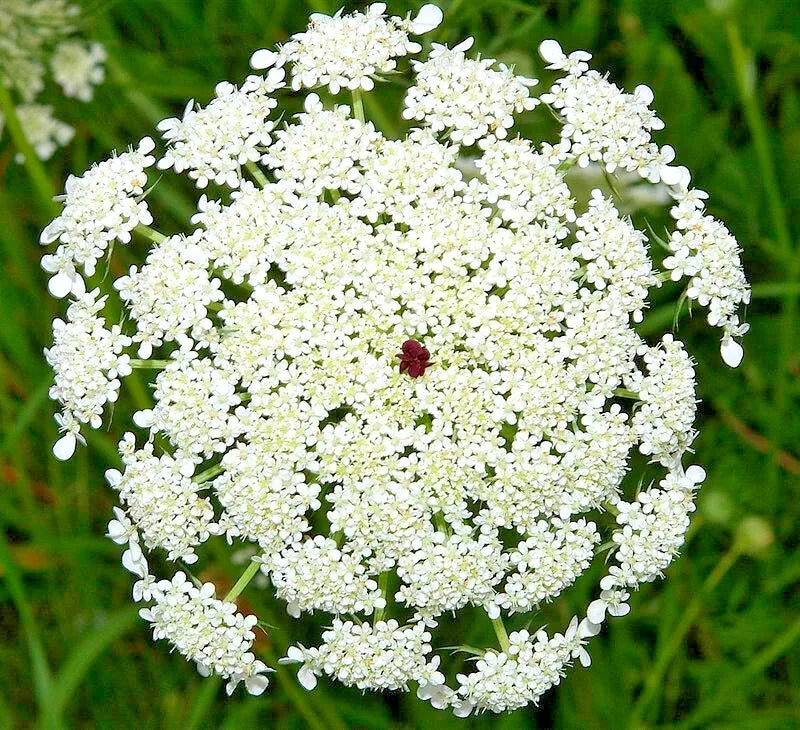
pixel 35 37
pixel 411 390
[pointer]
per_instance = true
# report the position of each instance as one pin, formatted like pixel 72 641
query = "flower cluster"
pixel 406 371
pixel 102 206
pixel 384 656
pixel 88 361
pixel 207 631
pixel 33 36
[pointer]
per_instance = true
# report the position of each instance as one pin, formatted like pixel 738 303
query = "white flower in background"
pixel 33 37
pixel 44 132
pixel 77 68
pixel 410 381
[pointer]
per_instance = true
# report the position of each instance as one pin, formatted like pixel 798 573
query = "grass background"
pixel 716 645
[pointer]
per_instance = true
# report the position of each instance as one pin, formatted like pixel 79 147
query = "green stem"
pixel 625 393
pixel 501 633
pixel 208 474
pixel 754 669
pixel 150 233
pixel 744 69
pixel 383 584
pixel 244 579
pixel 358 105
pixel 40 670
pixel 257 173
pixel 655 676
pixel 33 165
pixel 299 698
pixel 137 364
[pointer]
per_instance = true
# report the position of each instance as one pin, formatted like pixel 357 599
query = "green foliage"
pixel 714 646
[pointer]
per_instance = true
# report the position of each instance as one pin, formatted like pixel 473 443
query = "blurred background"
pixel 715 645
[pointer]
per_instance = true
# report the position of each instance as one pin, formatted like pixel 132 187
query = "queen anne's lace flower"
pixel 383 656
pixel 411 379
pixel 350 51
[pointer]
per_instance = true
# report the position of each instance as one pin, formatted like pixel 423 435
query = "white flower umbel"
pixel 525 670
pixel 407 373
pixel 170 294
pixel 207 631
pixel 663 421
pixel 102 206
pixel 316 575
pixel 214 142
pixel 384 656
pixel 704 250
pixel 601 122
pixel 349 51
pixel 162 501
pixel 466 97
pixel 88 361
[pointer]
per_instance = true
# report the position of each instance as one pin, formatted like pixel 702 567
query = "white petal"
pixel 113 477
pixel 429 17
pixel 671 175
pixel 623 609
pixel 596 612
pixel 644 93
pixel 60 285
pixel 493 611
pixel 550 51
pixel 293 609
pixel 295 654
pixel 256 684
pixel 307 678
pixel 462 709
pixel 732 352
pixel 586 629
pixel 51 232
pixel 607 582
pixel 696 474
pixel 64 448
pixel 143 419
pixel 146 145
pixel 312 103
pixel 263 58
